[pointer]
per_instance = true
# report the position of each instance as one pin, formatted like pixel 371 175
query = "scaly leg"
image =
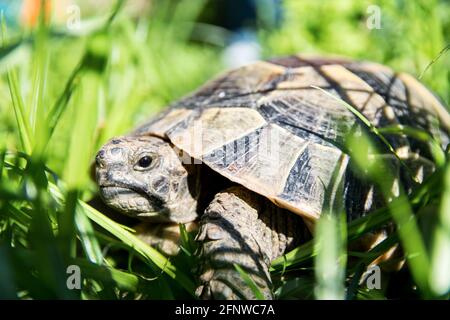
pixel 243 228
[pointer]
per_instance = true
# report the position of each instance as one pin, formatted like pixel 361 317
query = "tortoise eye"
pixel 145 162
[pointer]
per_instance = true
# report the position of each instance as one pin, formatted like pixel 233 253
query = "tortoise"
pixel 250 153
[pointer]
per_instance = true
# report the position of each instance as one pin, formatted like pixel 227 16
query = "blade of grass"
pixel 375 252
pixel 2 160
pixel 88 238
pixel 330 239
pixel 421 135
pixel 353 287
pixel 61 103
pixel 23 124
pixel 7 48
pixel 147 253
pixel 440 54
pixel 110 276
pixel 142 249
pixel 439 277
pixel 401 211
pixel 328 266
pixel 187 242
pixel 37 109
pixel 66 226
pixel 50 263
pixel 78 159
pixel 249 281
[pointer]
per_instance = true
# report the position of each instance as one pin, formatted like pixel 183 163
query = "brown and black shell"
pixel 233 122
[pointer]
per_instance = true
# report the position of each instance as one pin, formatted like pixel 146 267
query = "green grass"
pixel 64 93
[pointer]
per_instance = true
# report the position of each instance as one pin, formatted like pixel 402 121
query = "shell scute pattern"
pixel 239 110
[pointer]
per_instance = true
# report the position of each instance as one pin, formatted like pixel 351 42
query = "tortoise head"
pixel 143 176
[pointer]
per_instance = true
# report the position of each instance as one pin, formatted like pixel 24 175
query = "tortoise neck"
pixel 204 183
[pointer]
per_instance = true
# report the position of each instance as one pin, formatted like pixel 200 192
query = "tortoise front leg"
pixel 240 227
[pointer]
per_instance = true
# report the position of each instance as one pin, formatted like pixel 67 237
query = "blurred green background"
pixel 67 85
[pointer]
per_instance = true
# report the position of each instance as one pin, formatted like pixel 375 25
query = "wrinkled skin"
pixel 144 177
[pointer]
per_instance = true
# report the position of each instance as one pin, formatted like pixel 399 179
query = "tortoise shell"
pixel 266 127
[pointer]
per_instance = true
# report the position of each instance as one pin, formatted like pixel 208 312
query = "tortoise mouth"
pixel 116 190
pixel 109 192
pixel 129 201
